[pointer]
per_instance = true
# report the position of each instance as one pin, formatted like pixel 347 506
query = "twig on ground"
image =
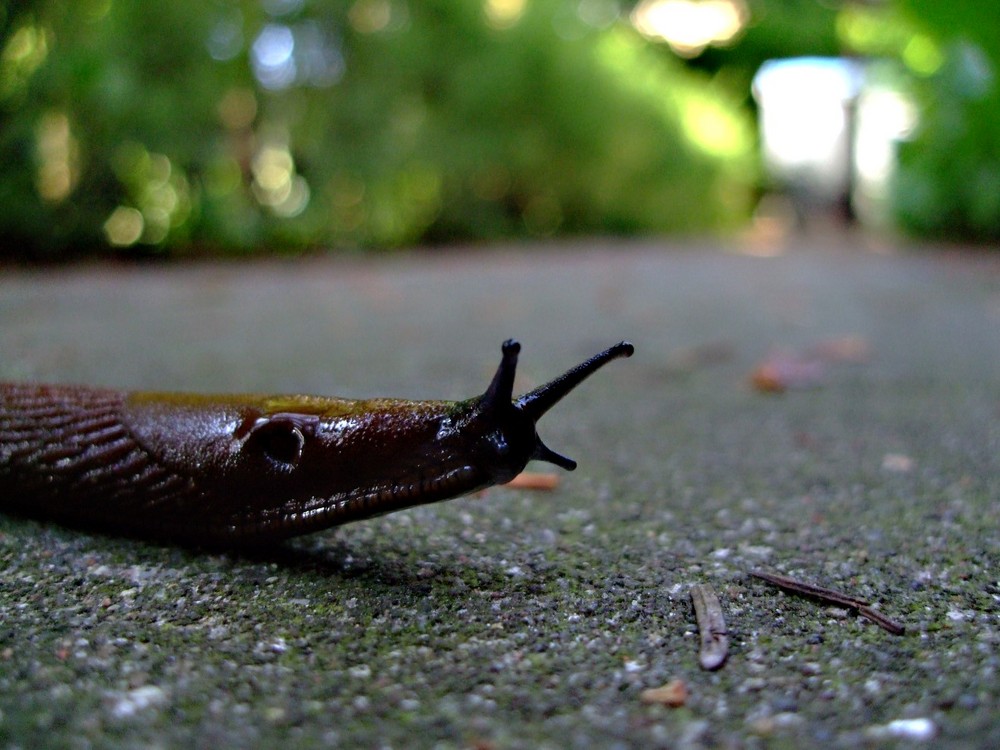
pixel 829 596
pixel 711 627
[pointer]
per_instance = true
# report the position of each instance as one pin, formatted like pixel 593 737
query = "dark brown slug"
pixel 230 470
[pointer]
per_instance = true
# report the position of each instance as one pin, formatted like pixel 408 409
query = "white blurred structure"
pixel 806 122
pixel 828 134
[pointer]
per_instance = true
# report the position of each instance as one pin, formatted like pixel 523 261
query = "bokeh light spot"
pixel 58 155
pixel 370 16
pixel 238 108
pixel 273 56
pixel 124 227
pixel 25 51
pixel 922 55
pixel 502 14
pixel 689 26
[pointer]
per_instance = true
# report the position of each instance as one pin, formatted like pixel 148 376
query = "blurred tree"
pixel 948 180
pixel 101 104
pixel 774 29
pixel 239 125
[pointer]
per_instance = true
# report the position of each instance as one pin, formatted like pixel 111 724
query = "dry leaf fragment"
pixel 533 480
pixel 787 370
pixel 673 694
pixel 781 372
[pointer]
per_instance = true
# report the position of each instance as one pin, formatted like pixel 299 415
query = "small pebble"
pixel 920 729
pixel 134 701
pixel 360 671
pixel 898 463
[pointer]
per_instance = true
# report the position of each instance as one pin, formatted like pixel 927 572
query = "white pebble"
pixel 134 701
pixel 360 671
pixel 920 730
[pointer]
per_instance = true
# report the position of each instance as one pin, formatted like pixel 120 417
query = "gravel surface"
pixel 528 619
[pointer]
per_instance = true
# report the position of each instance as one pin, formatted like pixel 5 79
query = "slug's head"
pixel 512 434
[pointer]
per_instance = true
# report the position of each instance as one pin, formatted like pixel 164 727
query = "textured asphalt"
pixel 530 619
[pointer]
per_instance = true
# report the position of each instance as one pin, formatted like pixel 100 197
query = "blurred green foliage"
pixel 240 126
pixel 231 126
pixel 947 179
pixel 777 29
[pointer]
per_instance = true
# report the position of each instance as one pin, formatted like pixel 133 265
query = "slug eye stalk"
pixel 533 405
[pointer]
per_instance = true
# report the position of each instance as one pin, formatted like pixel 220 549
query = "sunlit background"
pixel 242 126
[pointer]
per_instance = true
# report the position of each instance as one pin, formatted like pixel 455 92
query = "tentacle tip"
pixel 510 346
pixel 624 349
pixel 501 389
pixel 544 453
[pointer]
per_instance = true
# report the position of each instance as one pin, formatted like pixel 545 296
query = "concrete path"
pixel 529 619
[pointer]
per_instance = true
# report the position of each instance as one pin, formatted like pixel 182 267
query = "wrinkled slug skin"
pixel 201 468
pixel 229 470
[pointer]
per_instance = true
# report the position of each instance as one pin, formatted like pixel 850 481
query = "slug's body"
pixel 248 469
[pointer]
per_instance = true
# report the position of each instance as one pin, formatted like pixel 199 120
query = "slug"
pixel 241 470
